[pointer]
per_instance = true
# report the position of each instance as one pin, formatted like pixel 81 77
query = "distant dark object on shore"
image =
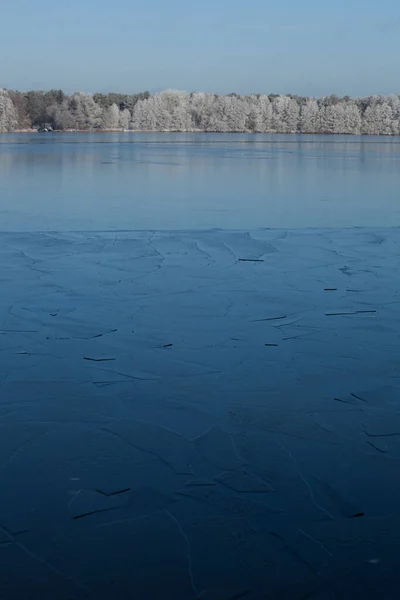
pixel 45 128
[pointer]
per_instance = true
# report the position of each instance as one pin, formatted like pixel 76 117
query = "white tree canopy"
pixel 125 119
pixel 310 117
pixel 111 117
pixel 176 110
pixel 8 113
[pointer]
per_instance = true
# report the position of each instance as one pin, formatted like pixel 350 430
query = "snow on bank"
pixel 200 412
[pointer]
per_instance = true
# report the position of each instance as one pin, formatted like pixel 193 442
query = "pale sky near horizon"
pixel 306 47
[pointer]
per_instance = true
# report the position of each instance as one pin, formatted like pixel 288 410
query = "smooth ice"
pixel 209 414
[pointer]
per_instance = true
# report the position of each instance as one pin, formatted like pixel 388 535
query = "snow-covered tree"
pixel 310 117
pixel 378 118
pixel 285 114
pixel 125 119
pixel 8 113
pixel 162 109
pixel 201 109
pixel 175 104
pixel 254 121
pixel 384 116
pixel 143 117
pixel 394 102
pixel 79 111
pixel 229 113
pixel 110 117
pixel 21 106
pixel 340 118
pixel 61 116
pixel 237 111
pixel 266 114
pixel 370 125
pixel 331 119
pixel 351 119
pixel 218 118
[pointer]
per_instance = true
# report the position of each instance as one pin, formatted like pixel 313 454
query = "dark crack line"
pixel 21 448
pixel 98 359
pixel 48 565
pixel 358 398
pixel 165 462
pixel 94 512
pixel 113 493
pixel 124 374
pixel 270 319
pixel 378 435
pixel 377 447
pixel 306 482
pixel 189 552
pixel 93 337
pixel 316 541
pixel 298 556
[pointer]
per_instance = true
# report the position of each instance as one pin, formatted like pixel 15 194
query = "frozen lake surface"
pixel 179 421
pixel 199 374
pixel 64 182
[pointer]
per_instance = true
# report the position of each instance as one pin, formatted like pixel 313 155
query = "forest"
pixel 178 111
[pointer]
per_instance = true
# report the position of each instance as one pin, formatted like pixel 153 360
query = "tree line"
pixel 173 110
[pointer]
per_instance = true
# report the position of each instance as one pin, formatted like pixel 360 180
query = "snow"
pixel 210 414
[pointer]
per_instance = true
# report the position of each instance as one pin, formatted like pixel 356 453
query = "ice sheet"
pixel 176 418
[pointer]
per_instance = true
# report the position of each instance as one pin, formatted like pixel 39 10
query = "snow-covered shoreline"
pixel 201 131
pixel 230 395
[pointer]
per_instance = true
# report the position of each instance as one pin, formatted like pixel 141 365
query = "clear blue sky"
pixel 310 47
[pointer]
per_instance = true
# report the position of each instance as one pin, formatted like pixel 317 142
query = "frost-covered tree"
pixel 310 117
pixel 378 118
pixel 61 117
pixel 369 124
pixel 21 107
pixel 162 111
pixel 266 114
pixel 125 119
pixel 340 118
pixel 285 114
pixel 229 113
pixel 87 114
pixel 201 110
pixel 111 117
pixel 331 119
pixel 8 113
pixel 237 113
pixel 351 119
pixel 384 116
pixel 254 121
pixel 143 117
pixel 79 111
pixel 219 116
pixel 394 102
pixel 166 111
pixel 172 110
pixel 41 105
